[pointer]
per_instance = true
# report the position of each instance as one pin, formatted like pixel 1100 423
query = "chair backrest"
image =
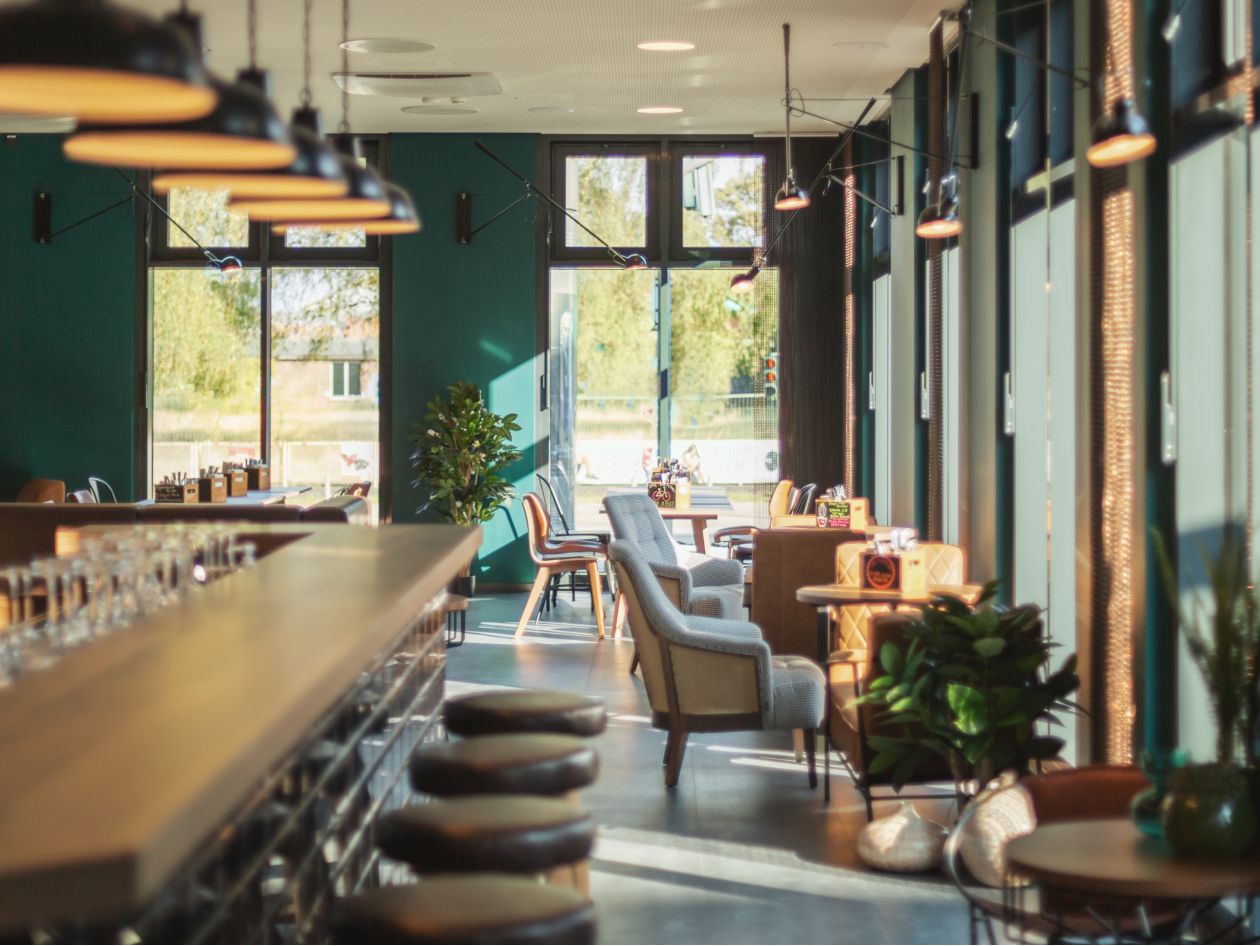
pixel 636 519
pixel 554 502
pixel 537 524
pixel 779 498
pixel 1093 791
pixel 99 488
pixel 81 496
pixel 42 491
pixel 804 503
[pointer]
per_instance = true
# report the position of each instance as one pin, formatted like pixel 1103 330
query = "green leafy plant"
pixel 969 686
pixel 459 455
pixel 1223 637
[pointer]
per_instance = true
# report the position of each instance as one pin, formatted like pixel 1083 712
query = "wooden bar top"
pixel 119 762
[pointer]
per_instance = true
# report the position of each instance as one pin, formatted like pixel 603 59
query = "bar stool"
pixel 513 834
pixel 525 711
pixel 477 908
pixel 508 764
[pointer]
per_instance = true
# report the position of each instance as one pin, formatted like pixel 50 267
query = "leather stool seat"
pixel 516 834
pixel 503 711
pixel 479 908
pixel 529 764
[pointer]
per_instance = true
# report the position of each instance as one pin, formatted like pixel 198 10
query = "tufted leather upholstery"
pixel 503 711
pixel 486 908
pixel 512 764
pixel 516 834
pixel 945 565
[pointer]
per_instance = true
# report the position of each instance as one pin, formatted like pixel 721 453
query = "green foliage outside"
pixel 970 687
pixel 460 454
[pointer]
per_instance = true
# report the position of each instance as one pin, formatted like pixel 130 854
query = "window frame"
pixel 678 152
pixel 561 252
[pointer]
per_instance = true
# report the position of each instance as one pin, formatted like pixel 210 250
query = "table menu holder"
pixel 212 488
pixel 258 476
pixel 902 571
pixel 842 514
pixel 186 492
pixel 676 495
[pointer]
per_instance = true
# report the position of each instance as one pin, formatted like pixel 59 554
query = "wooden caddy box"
pixel 842 514
pixel 186 492
pixel 212 488
pixel 904 572
pixel 671 495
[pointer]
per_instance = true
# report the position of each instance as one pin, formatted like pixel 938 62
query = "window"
pixel 723 200
pixel 346 379
pixel 280 361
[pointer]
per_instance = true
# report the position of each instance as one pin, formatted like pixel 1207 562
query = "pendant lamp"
pixel 401 219
pixel 99 62
pixel 791 195
pixel 242 133
pixel 1120 136
pixel 746 281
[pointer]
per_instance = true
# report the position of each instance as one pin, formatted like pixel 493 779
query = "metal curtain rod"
pixel 533 188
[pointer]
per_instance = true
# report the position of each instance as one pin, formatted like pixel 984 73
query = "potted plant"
pixel 1210 810
pixel 970 686
pixel 460 454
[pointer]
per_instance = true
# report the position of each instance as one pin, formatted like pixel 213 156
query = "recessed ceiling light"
pixel 551 109
pixel 659 110
pixel 386 44
pixel 438 110
pixel 667 46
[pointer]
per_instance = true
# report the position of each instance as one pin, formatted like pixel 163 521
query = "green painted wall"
pixel 466 311
pixel 67 324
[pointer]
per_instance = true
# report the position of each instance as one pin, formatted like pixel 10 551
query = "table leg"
pixel 697 531
pixel 824 649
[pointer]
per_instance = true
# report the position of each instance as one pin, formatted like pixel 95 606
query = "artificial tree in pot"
pixel 1210 810
pixel 460 454
pixel 972 686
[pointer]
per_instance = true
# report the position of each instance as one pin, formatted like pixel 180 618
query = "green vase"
pixel 1147 805
pixel 1208 812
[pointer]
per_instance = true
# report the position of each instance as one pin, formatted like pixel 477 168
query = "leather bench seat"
pixel 480 908
pixel 525 711
pixel 517 834
pixel 532 764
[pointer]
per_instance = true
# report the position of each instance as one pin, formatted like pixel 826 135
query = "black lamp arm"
pixel 866 197
pixel 1005 47
pixel 46 237
pixel 533 189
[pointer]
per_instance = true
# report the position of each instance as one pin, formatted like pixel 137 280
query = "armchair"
pixel 709 674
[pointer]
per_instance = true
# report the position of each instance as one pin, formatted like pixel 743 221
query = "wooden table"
pixel 706 503
pixel 1111 858
pixel 119 763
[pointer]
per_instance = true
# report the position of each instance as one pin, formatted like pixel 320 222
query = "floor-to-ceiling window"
pixel 668 360
pixel 280 360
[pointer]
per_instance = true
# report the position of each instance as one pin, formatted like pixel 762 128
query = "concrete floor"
pixel 741 851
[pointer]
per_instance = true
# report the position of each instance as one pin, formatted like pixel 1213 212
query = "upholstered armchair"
pixel 696 584
pixel 709 674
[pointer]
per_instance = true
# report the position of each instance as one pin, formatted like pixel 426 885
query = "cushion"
pixel 510 833
pixel 485 908
pixel 549 711
pixel 721 601
pixel 533 764
pixel 799 691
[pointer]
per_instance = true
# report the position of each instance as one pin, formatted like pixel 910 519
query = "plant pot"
pixel 1147 805
pixel 1208 812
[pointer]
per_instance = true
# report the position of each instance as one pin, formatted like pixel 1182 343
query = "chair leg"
pixel 675 749
pixel 619 612
pixel 798 745
pixel 811 748
pixel 597 596
pixel 634 662
pixel 540 584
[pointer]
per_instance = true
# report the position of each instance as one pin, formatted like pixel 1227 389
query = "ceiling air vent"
pixel 415 85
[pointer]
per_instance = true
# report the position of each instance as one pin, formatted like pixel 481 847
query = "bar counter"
pixel 119 765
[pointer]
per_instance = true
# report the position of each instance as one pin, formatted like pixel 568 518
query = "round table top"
pixel 851 594
pixel 1112 857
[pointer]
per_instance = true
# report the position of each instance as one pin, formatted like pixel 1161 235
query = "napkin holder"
pixel 904 572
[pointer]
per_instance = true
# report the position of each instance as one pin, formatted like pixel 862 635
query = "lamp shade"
pixel 100 63
pixel 1120 136
pixel 402 218
pixel 242 133
pixel 315 172
pixel 635 261
pixel 791 196
pixel 746 281
pixel 939 221
pixel 365 199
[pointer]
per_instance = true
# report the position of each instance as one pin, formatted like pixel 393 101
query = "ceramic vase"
pixel 902 842
pixel 1208 812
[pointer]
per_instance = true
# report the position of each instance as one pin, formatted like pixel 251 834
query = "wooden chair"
pixel 738 539
pixel 558 558
pixel 43 491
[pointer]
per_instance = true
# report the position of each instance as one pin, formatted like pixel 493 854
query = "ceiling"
pixel 581 55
